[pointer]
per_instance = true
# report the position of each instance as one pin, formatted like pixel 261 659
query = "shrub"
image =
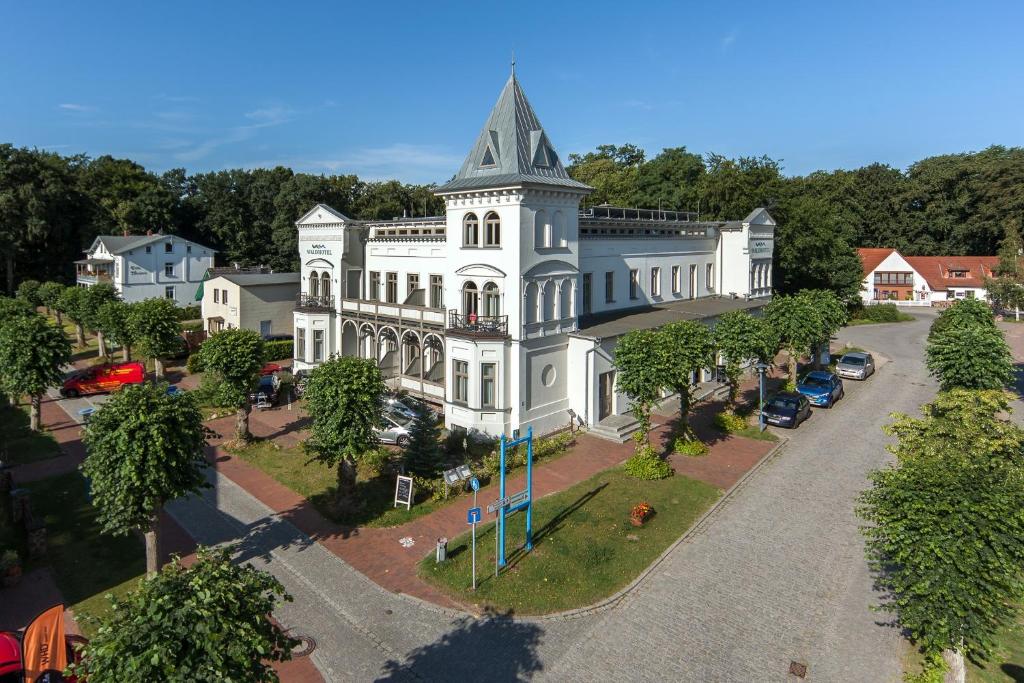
pixel 376 461
pixel 190 313
pixel 645 464
pixel 194 363
pixel 553 445
pixel 453 441
pixel 691 448
pixel 729 422
pixel 278 349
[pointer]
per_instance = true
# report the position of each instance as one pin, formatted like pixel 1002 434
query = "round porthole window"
pixel 547 375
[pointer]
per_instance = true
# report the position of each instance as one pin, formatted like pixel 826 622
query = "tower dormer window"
pixel 492 230
pixel 470 231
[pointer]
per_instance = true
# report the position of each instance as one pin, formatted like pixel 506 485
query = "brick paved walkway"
pixel 378 554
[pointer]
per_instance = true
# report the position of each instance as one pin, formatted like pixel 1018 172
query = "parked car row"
pixel 819 388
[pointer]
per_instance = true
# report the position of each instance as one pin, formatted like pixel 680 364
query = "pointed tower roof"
pixel 512 149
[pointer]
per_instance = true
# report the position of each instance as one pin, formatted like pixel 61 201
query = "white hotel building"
pixel 507 309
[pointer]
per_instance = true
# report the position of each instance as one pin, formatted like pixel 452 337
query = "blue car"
pixel 821 388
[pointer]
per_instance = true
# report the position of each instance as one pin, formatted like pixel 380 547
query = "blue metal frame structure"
pixel 527 504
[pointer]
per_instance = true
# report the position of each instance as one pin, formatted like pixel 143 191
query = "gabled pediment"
pixel 479 270
pixel 321 214
pixel 759 216
pixel 549 268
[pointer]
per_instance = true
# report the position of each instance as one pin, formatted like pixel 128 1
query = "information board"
pixel 403 492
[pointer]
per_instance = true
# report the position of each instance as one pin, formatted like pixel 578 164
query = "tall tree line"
pixel 52 206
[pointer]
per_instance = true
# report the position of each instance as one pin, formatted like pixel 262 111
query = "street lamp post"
pixel 761 368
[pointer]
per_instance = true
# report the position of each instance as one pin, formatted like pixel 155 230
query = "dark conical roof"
pixel 512 149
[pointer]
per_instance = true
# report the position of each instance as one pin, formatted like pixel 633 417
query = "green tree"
pixel 831 312
pixel 234 358
pixel 640 375
pixel 49 295
pixel 963 313
pixel 144 448
pixel 94 298
pixel 10 307
pixel 740 337
pixel 1011 251
pixel 155 324
pixel 72 304
pixel 970 357
pixel 344 397
pixel 424 455
pixel 1006 292
pixel 207 622
pixel 115 319
pixel 684 347
pixel 812 252
pixel 28 291
pixel 945 530
pixel 32 355
pixel 796 323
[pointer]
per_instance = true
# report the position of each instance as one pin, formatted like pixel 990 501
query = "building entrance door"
pixel 606 392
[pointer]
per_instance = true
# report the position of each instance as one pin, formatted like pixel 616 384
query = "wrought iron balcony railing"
pixel 478 325
pixel 312 302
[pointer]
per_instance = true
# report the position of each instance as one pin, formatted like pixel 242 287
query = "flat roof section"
pixel 617 323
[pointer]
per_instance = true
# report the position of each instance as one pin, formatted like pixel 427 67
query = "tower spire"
pixel 513 61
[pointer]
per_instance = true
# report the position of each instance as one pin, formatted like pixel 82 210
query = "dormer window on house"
pixel 168 247
pixel 958 273
pixel 492 230
pixel 470 231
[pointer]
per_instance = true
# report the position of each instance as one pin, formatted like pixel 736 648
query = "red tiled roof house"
pixel 923 280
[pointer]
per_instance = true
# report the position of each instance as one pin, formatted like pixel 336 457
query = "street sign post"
pixel 472 518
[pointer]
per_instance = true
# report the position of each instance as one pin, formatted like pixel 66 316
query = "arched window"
pixel 470 299
pixel 492 230
pixel 470 231
pixel 559 238
pixel 549 300
pixel 541 231
pixel 530 303
pixel 565 299
pixel 325 285
pixel 314 284
pixel 492 300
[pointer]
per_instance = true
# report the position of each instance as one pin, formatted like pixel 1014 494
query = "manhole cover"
pixel 798 669
pixel 305 647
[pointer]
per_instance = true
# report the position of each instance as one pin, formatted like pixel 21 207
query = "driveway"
pixel 776 575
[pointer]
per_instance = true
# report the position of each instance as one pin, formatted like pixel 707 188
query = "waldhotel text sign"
pixel 319 250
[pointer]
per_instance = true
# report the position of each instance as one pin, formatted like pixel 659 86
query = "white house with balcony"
pixel 146 266
pixel 506 310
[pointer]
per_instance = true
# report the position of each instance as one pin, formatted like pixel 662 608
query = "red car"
pixel 270 369
pixel 103 379
pixel 10 656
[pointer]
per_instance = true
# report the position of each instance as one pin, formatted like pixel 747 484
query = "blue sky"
pixel 394 89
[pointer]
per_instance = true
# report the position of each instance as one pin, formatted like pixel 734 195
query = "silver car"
pixel 856 365
pixel 395 429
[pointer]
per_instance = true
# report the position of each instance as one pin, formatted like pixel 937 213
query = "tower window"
pixel 492 230
pixel 470 231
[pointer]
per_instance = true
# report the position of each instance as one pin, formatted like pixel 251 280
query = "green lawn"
pixel 315 482
pixel 86 563
pixel 904 317
pixel 752 432
pixel 584 546
pixel 18 443
pixel 1008 653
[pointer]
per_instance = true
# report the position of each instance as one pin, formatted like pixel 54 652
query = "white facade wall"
pixel 214 306
pixel 140 273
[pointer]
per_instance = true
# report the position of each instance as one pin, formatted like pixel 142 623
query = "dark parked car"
pixel 787 409
pixel 821 388
pixel 265 395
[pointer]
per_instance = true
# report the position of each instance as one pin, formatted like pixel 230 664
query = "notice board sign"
pixel 403 492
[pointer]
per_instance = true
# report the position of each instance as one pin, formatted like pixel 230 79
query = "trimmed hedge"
pixel 190 313
pixel 278 349
pixel 880 313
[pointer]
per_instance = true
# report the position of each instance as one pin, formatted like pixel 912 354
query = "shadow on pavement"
pixel 494 648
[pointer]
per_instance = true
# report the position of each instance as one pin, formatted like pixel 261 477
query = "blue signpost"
pixel 522 500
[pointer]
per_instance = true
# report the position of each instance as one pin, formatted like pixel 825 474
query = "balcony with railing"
pixel 313 303
pixel 91 271
pixel 473 325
